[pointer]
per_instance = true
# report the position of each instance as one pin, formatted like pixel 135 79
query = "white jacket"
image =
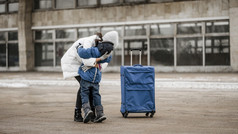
pixel 70 62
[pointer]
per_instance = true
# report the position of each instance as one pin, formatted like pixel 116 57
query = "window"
pixel 9 53
pixel 161 0
pixel 61 48
pixel 63 4
pixel 50 46
pixel 87 2
pixel 44 48
pixel 65 34
pixel 12 7
pixel 135 45
pixel 104 30
pixel 67 4
pixel 189 28
pixel 2 8
pixel 171 44
pixel 217 27
pixel 44 54
pixel 116 55
pixel 162 29
pixel 217 51
pixel 8 6
pixel 217 48
pixel 12 36
pixel 162 52
pixel 189 51
pixel 84 32
pixel 42 4
pixel 169 0
pixel 13 54
pixel 129 1
pixel 135 30
pixel 2 55
pixel 2 36
pixel 44 34
pixel 110 1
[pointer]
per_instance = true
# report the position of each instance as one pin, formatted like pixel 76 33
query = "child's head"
pixel 105 47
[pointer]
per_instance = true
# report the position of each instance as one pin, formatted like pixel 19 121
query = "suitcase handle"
pixel 139 58
pixel 136 65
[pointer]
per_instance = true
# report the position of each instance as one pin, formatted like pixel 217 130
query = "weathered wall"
pixel 26 45
pixel 159 11
pixel 9 20
pixel 234 33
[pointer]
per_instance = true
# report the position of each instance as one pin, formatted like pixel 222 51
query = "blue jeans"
pixel 79 100
pixel 85 90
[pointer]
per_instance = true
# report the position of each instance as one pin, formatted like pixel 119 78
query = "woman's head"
pixel 111 36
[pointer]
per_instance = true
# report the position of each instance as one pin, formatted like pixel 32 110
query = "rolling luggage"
pixel 137 89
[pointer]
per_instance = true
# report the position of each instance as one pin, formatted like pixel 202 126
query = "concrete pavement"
pixel 44 103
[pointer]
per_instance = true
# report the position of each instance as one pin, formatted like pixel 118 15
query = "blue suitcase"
pixel 137 89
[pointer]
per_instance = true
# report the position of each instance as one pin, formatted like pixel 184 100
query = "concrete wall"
pixel 9 20
pixel 233 13
pixel 26 45
pixel 159 11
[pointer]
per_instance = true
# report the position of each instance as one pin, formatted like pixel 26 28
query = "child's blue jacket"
pixel 93 74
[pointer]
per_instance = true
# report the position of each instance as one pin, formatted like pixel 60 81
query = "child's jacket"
pixel 93 74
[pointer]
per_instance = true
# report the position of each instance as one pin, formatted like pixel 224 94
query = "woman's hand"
pixel 97 66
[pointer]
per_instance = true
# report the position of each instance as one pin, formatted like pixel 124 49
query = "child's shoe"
pixel 88 113
pixel 99 114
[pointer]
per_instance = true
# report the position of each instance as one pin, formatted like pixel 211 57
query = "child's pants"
pixel 85 86
pixel 78 98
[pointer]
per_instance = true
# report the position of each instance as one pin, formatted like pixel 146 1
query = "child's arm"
pixel 85 53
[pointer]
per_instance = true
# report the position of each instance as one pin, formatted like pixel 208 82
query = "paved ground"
pixel 185 103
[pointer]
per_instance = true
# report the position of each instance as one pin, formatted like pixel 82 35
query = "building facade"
pixel 173 35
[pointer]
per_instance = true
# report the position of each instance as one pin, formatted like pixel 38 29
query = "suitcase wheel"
pixel 151 115
pixel 125 114
pixel 147 114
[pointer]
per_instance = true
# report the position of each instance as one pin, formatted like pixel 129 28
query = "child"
pixel 90 78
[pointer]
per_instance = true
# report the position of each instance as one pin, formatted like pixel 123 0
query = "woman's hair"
pixel 99 39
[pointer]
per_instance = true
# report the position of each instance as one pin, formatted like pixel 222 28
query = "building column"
pixel 233 12
pixel 26 46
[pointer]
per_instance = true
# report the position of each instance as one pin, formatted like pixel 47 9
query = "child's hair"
pixel 105 47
